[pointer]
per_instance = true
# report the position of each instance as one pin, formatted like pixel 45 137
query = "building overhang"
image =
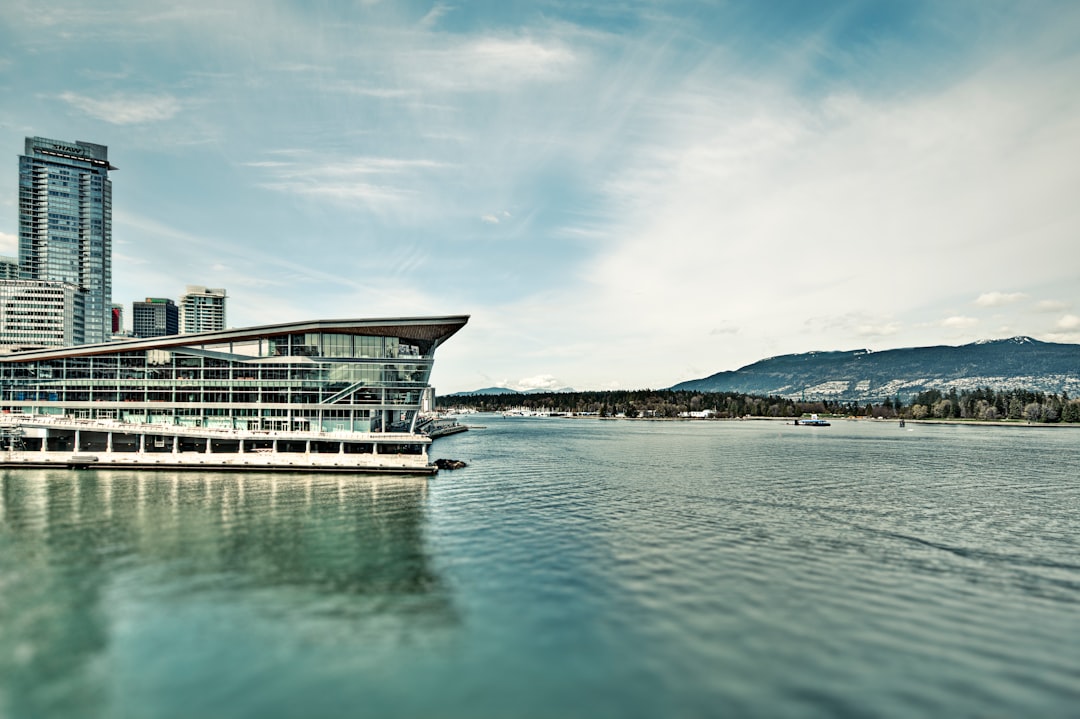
pixel 434 330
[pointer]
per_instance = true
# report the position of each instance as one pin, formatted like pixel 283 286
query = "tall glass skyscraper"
pixel 65 223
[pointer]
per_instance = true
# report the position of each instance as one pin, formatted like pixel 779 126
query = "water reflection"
pixel 89 560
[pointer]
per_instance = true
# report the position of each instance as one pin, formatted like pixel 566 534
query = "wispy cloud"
pixel 1051 306
pixel 437 11
pixel 999 299
pixel 125 109
pixel 375 182
pixel 494 63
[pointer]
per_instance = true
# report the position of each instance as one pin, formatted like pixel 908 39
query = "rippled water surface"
pixel 581 568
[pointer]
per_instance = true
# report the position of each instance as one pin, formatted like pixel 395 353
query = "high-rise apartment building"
pixel 156 317
pixel 65 223
pixel 202 309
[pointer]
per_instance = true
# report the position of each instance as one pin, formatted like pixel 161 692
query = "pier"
pixel 44 441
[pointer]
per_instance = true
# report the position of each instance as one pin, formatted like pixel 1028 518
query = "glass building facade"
pixel 65 223
pixel 336 375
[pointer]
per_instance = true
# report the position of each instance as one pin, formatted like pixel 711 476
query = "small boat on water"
pixel 814 421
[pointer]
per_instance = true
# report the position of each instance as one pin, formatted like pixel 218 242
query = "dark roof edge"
pixel 450 323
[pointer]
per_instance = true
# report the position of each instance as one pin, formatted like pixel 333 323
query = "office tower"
pixel 202 309
pixel 65 223
pixel 156 317
pixel 40 313
pixel 9 268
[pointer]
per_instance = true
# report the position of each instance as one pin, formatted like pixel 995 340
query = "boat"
pixel 814 421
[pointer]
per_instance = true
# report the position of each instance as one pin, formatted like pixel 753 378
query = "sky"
pixel 621 195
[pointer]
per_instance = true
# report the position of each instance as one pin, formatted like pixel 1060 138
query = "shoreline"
pixel 788 420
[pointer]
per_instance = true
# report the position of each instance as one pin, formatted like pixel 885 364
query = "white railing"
pixel 106 425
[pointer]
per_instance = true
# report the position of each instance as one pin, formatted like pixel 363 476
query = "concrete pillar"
pixel 209 442
pixel 176 444
pixel 108 441
pixel 45 441
pixel 142 443
pixel 77 438
pixel 241 446
pixel 341 448
pixel 307 446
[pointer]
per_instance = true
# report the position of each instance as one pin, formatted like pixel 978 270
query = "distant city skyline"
pixel 621 196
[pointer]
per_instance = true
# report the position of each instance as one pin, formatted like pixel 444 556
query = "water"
pixel 578 568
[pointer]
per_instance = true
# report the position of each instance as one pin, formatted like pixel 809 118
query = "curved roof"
pixel 435 330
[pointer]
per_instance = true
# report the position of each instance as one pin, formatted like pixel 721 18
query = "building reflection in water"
pixel 87 559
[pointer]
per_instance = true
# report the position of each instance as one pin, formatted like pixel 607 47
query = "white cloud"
pixel 125 109
pixel 1068 322
pixel 489 219
pixel 544 381
pixel 999 299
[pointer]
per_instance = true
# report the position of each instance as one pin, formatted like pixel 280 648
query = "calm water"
pixel 575 568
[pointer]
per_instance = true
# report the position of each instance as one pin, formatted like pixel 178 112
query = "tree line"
pixel 977 404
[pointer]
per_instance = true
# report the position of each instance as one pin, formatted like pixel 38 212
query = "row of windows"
pixel 386 398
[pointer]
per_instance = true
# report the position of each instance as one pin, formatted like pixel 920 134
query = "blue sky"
pixel 621 194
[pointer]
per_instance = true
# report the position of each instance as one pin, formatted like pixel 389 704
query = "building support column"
pixel 208 447
pixel 108 442
pixel 78 438
pixel 142 443
pixel 176 444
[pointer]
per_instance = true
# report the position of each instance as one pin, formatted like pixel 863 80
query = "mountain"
pixel 486 390
pixel 504 390
pixel 862 375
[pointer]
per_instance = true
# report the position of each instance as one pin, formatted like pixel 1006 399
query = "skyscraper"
pixel 157 317
pixel 65 223
pixel 202 309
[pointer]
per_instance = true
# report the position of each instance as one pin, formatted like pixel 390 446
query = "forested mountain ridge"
pixel 862 375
